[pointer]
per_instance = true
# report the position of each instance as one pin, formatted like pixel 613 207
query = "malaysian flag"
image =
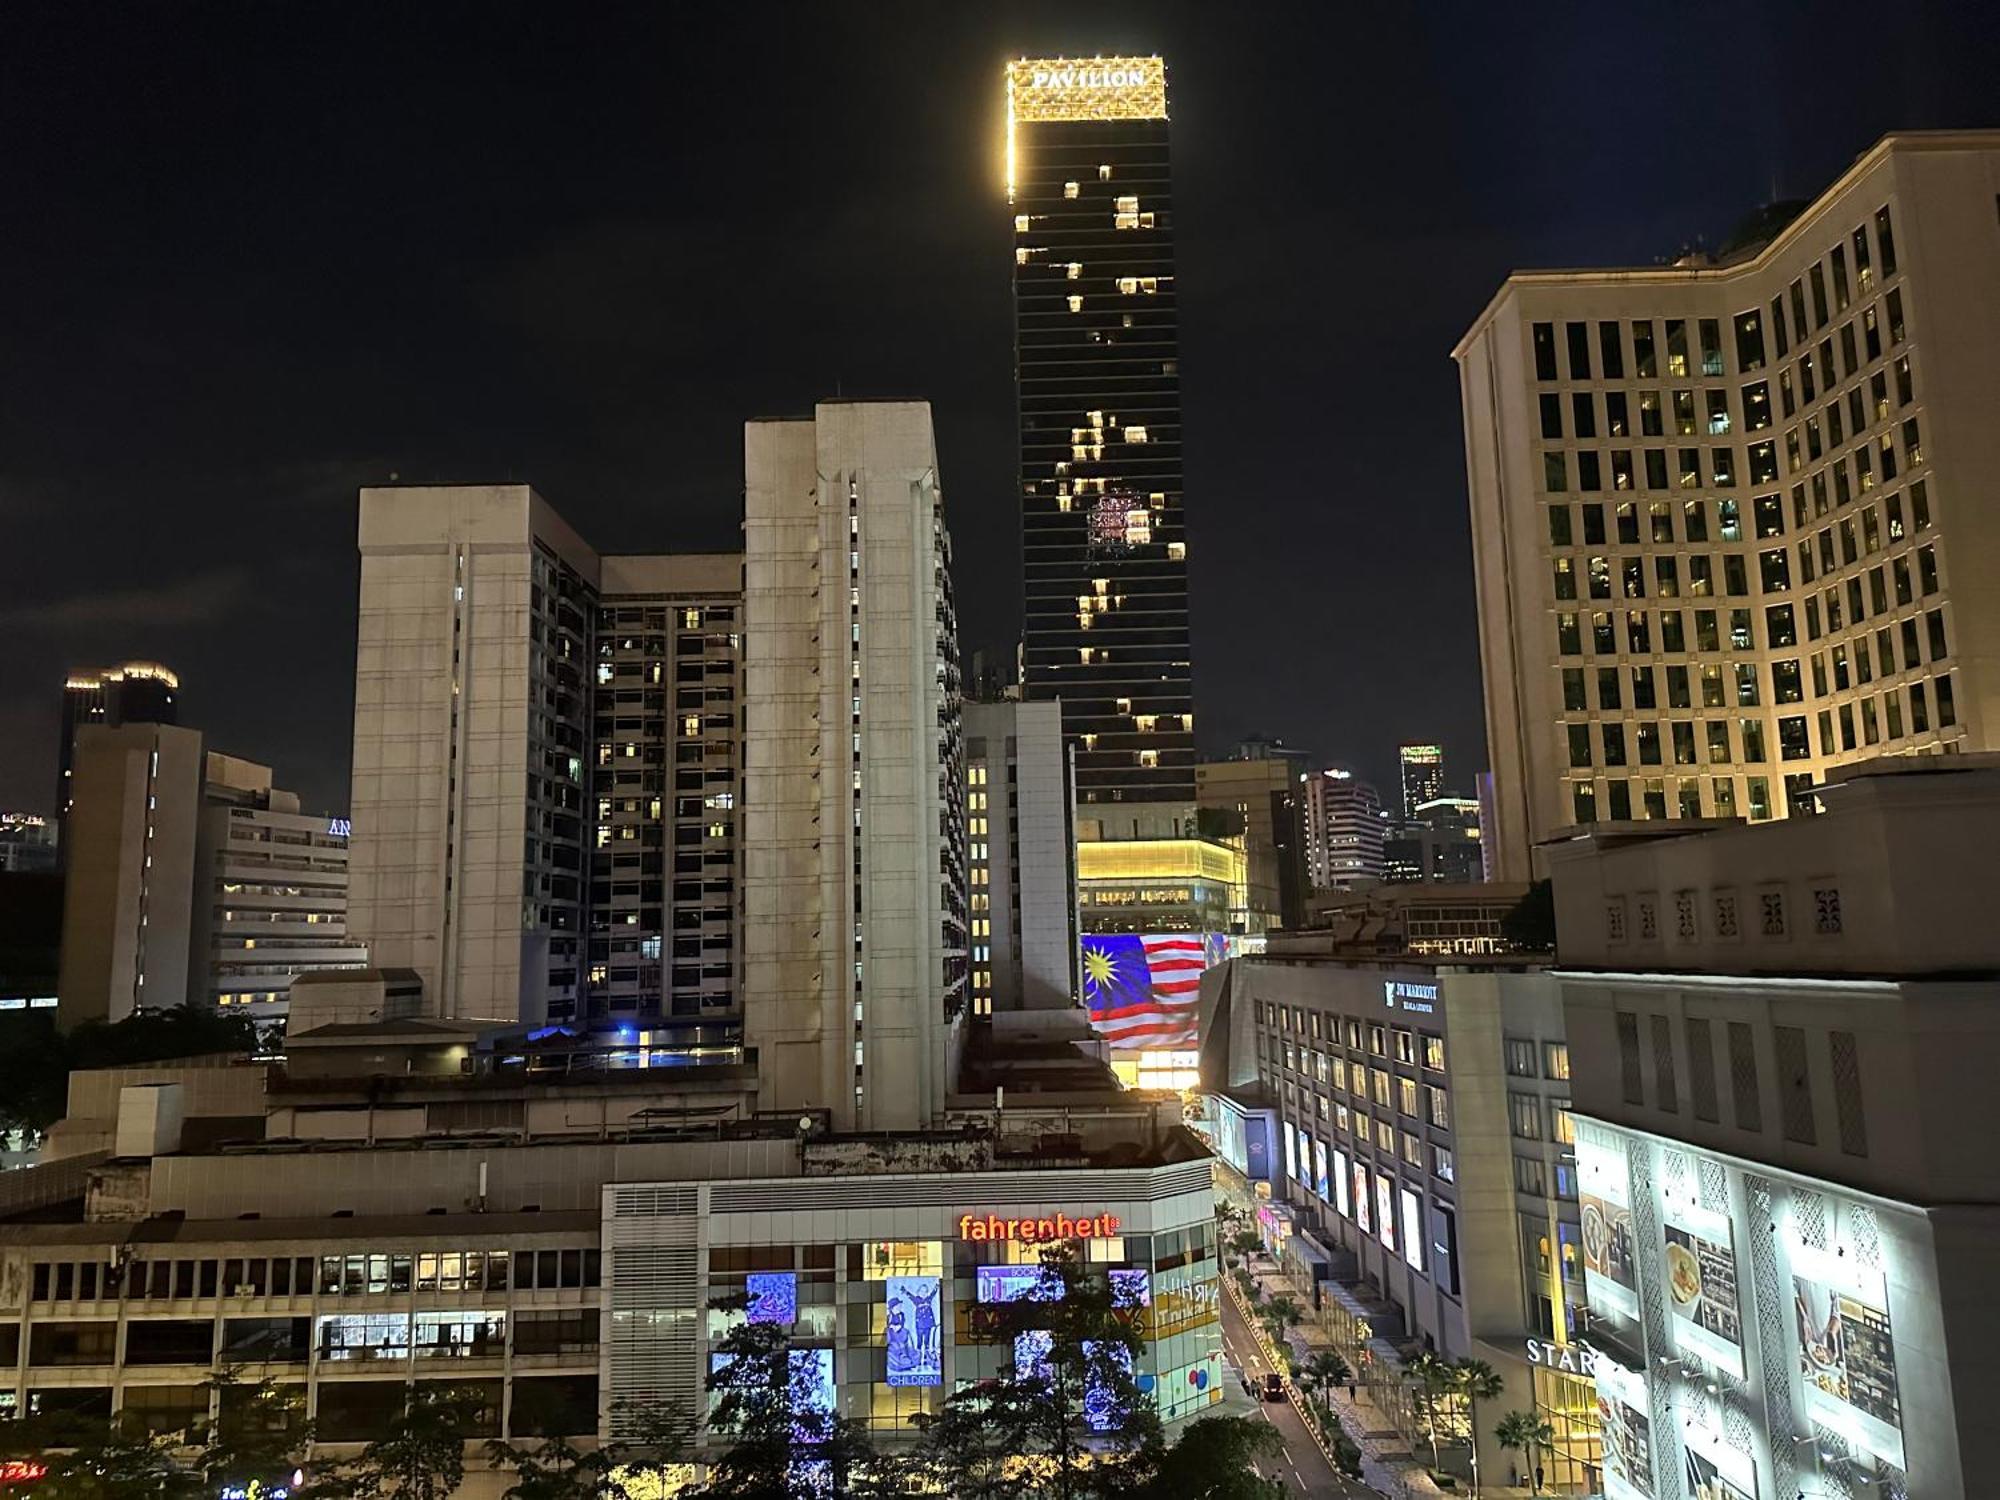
pixel 1144 990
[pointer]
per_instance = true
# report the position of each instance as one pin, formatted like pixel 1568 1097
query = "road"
pixel 1302 1468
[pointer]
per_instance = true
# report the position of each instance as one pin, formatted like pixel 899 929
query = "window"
pixel 1524 1115
pixel 1544 342
pixel 1442 1163
pixel 1434 1053
pixel 1521 1062
pixel 1555 1059
pixel 1529 1176
pixel 1437 1106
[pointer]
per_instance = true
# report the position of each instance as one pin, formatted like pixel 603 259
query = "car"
pixel 1274 1386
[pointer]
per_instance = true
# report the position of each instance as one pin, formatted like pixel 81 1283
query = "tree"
pixel 1069 1421
pixel 1526 1432
pixel 1246 1242
pixel 1530 925
pixel 36 1059
pixel 773 1404
pixel 1281 1314
pixel 259 1433
pixel 660 1441
pixel 1433 1379
pixel 421 1456
pixel 1477 1382
pixel 90 1457
pixel 1324 1368
pixel 556 1469
pixel 1214 1460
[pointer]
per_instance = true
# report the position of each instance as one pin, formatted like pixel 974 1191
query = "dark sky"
pixel 253 257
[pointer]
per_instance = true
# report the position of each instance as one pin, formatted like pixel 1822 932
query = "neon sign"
pixel 22 1470
pixel 339 828
pixel 1037 1230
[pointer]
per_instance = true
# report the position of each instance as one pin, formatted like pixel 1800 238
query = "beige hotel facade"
pixel 1731 517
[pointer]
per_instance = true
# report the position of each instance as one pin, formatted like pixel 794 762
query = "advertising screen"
pixel 913 1331
pixel 1099 1399
pixel 1413 1229
pixel 1610 1268
pixel 1291 1152
pixel 1131 1288
pixel 1031 1353
pixel 1846 1352
pixel 1340 1199
pixel 1361 1216
pixel 1385 1211
pixel 1305 1158
pixel 774 1297
pixel 1701 1287
pixel 1706 1481
pixel 1143 991
pixel 1319 1169
pixel 812 1383
pixel 1628 1432
pixel 1011 1284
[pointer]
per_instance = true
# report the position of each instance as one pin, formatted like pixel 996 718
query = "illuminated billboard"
pixel 1143 990
pixel 1701 1286
pixel 1086 88
pixel 1846 1354
pixel 1015 1284
pixel 1627 1429
pixel 913 1331
pixel 774 1297
pixel 1610 1265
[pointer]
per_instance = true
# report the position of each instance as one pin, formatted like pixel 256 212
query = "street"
pixel 1302 1468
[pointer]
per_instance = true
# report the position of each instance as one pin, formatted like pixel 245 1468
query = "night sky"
pixel 252 258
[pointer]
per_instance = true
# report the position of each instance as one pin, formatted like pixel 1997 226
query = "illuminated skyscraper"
pixel 1097 354
pixel 1423 775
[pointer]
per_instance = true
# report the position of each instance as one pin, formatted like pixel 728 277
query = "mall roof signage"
pixel 1042 1229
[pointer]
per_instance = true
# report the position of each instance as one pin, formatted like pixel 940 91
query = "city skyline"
pixel 266 358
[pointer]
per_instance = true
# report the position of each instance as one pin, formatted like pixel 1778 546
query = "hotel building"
pixel 1097 366
pixel 1725 522
pixel 139 692
pixel 1344 831
pixel 1784 1041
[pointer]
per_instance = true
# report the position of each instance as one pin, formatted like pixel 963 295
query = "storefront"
pixel 881 1279
pixel 1566 1398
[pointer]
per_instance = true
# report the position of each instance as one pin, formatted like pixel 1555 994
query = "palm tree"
pixel 1529 1432
pixel 1326 1368
pixel 1477 1382
pixel 1433 1377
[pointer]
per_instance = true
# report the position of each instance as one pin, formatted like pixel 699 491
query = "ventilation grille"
pixel 1794 1084
pixel 652 1202
pixel 1701 1070
pixel 1847 1094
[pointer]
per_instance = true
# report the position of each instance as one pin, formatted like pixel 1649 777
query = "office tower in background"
pixel 27 843
pixel 1255 803
pixel 1344 830
pixel 139 692
pixel 1097 363
pixel 1021 858
pixel 854 858
pixel 1727 523
pixel 1422 768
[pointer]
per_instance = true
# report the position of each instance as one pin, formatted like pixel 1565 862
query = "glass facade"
pixel 1097 360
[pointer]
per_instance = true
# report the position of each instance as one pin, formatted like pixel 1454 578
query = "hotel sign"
pixel 1571 1359
pixel 1046 1228
pixel 1087 88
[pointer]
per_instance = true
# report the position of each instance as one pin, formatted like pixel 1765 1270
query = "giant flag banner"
pixel 1142 989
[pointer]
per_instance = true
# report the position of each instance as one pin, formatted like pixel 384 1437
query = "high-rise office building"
pixel 853 828
pixel 1422 768
pixel 1725 516
pixel 1344 830
pixel 1020 811
pixel 139 692
pixel 27 843
pixel 1097 365
pixel 193 881
pixel 545 766
pixel 1255 801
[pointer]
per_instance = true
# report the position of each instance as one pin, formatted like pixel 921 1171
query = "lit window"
pixel 1104 172
pixel 1076 304
pixel 1135 435
pixel 1149 758
pixel 1070 189
pixel 1177 551
pixel 1075 270
pixel 1020 223
pixel 1021 254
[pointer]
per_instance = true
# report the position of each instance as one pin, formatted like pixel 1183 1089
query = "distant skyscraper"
pixel 1097 361
pixel 1726 518
pixel 1344 831
pixel 139 692
pixel 1423 775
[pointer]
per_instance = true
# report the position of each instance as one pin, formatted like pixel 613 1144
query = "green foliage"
pixel 1246 1242
pixel 1025 1435
pixel 1477 1382
pixel 422 1454
pixel 260 1432
pixel 1433 1379
pixel 97 1458
pixel 1525 1432
pixel 1531 924
pixel 36 1059
pixel 1213 1461
pixel 1324 1368
pixel 555 1469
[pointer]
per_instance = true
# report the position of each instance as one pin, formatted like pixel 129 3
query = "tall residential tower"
pixel 1097 365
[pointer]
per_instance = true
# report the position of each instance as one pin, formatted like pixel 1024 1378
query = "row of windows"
pixel 1407 1044
pixel 332 1275
pixel 1609 343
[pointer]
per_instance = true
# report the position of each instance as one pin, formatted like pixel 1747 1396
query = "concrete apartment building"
pixel 545 765
pixel 1020 810
pixel 192 880
pixel 853 831
pixel 1424 1179
pixel 1784 1040
pixel 1726 521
